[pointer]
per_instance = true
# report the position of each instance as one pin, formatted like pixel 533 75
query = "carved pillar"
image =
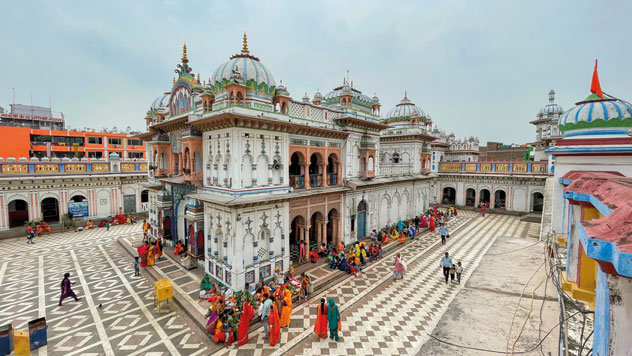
pixel 324 173
pixel 306 182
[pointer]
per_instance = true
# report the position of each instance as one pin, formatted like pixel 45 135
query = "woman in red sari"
pixel 320 328
pixel 244 322
pixel 274 324
pixel 432 223
pixel 143 253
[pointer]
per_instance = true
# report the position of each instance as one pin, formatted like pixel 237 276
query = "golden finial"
pixel 174 80
pixel 184 54
pixel 405 94
pixel 198 78
pixel 244 49
pixel 352 83
pixel 204 83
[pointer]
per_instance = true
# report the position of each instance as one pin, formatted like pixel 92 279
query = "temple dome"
pixel 550 110
pixel 161 102
pixel 244 69
pixel 597 115
pixel 401 114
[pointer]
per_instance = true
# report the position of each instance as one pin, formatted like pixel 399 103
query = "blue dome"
pixel 161 102
pixel 550 110
pixel 595 116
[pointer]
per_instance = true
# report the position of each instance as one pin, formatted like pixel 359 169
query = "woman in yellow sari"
pixel 287 308
pixel 150 254
pixel 394 235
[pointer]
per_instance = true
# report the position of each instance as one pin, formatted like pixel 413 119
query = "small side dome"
pixel 75 159
pixel 55 159
pixel 65 159
pixel 45 159
pixel 318 96
pixel 34 159
pixel 375 99
pixel 11 159
pixel 305 98
pixel 84 159
pixel 282 90
pixel 114 155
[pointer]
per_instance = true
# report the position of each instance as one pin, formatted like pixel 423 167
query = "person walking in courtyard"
pixel 286 310
pixel 320 327
pixel 333 319
pixel 66 289
pixel 459 272
pixel 483 208
pixel 274 324
pixel 29 234
pixel 398 270
pixel 444 233
pixel 432 223
pixel 136 266
pixel 244 323
pixel 446 263
pixel 107 225
pixel 265 313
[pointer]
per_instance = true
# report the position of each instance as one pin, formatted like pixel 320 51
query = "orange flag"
pixel 595 87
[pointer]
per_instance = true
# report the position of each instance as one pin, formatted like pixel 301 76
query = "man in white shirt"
pixel 446 263
pixel 265 314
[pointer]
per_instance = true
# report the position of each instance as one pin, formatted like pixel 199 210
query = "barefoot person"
pixel 66 289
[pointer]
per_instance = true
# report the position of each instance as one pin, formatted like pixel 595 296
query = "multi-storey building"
pixel 546 127
pixel 40 143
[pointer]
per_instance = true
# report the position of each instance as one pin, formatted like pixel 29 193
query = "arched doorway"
pixel 317 224
pixel 298 224
pixel 499 199
pixel 18 213
pixel 332 226
pixel 315 170
pixel 166 227
pixel 484 196
pixel 362 219
pixel 332 170
pixel 50 210
pixel 296 170
pixel 537 202
pixel 449 195
pixel 470 197
pixel 77 198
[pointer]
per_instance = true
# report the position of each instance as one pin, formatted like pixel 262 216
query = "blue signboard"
pixel 79 209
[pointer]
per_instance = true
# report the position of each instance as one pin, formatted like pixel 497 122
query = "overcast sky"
pixel 480 68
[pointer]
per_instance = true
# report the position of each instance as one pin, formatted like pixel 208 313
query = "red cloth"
pixel 274 325
pixel 595 87
pixel 313 256
pixel 142 253
pixel 432 223
pixel 244 321
pixel 320 327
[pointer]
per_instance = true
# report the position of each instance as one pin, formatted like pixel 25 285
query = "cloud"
pixel 479 68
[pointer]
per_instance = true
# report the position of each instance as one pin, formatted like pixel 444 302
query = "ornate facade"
pixel 242 172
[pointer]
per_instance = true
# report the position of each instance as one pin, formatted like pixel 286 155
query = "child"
pixel 452 272
pixel 136 266
pixel 459 271
pixel 107 225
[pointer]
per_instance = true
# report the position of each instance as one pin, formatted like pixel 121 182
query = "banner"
pixel 79 209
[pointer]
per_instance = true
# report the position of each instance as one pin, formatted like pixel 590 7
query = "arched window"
pixel 395 157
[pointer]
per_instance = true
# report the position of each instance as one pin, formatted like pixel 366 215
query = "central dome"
pixel 244 69
pixel 550 110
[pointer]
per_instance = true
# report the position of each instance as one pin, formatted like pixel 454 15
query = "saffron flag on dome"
pixel 595 87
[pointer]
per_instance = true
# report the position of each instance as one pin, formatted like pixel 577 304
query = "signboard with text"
pixel 79 209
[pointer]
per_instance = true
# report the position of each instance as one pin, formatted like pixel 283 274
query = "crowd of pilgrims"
pixel 230 314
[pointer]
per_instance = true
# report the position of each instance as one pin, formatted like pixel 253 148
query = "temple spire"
pixel 244 49
pixel 595 87
pixel 184 54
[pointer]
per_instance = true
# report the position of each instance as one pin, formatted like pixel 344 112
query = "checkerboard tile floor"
pixel 418 301
pixel 115 315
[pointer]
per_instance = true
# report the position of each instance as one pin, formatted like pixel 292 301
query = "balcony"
pixel 316 180
pixel 332 179
pixel 296 182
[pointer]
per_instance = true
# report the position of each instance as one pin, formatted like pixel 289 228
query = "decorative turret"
pixel 375 101
pixel 318 97
pixel 305 98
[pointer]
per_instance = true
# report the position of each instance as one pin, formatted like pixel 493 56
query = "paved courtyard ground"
pixel 379 316
pixel 115 315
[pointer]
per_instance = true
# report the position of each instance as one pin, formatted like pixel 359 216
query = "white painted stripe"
pixel 3 269
pixel 95 314
pixel 150 317
pixel 43 351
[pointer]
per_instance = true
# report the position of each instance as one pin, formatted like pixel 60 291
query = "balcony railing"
pixel 296 182
pixel 332 179
pixel 316 180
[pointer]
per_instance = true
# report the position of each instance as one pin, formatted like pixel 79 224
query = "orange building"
pixel 28 142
